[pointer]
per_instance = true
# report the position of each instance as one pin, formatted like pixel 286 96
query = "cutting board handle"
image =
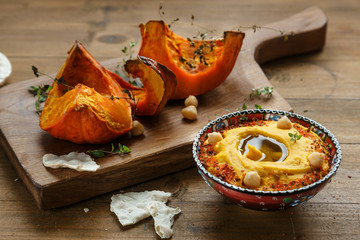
pixel 267 43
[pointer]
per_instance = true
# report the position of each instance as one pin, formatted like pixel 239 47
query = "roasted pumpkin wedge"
pixel 86 104
pixel 199 65
pixel 159 85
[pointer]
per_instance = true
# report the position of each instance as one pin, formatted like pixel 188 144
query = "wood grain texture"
pixel 332 214
pixel 166 134
pixel 322 85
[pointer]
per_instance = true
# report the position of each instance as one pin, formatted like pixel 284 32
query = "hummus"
pixel 278 156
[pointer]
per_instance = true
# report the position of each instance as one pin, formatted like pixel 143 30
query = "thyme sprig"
pixel 132 98
pixel 41 92
pixel 200 51
pixel 120 150
pixel 60 81
pixel 162 14
pixel 173 21
pixel 294 136
pixel 244 107
pixel 266 91
pixel 129 50
pixel 256 28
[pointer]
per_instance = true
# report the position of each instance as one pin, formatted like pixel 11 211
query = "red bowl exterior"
pixel 263 202
pixel 266 200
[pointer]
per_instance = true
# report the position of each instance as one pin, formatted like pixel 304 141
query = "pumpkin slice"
pixel 81 67
pixel 159 85
pixel 86 105
pixel 199 65
pixel 82 115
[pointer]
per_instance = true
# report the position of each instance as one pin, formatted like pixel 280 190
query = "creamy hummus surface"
pixel 266 156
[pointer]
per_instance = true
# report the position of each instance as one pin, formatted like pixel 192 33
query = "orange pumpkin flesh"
pixel 159 85
pixel 85 112
pixel 199 65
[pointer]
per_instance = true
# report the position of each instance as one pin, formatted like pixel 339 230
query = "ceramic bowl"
pixel 266 200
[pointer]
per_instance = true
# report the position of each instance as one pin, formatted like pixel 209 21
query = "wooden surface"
pixel 323 85
pixel 168 138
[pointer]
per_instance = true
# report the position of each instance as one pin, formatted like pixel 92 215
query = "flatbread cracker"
pixel 77 161
pixel 133 207
pixel 163 218
pixel 5 68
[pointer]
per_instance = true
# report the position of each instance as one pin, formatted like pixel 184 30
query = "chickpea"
pixel 252 179
pixel 189 112
pixel 214 137
pixel 137 128
pixel 191 100
pixel 284 123
pixel 316 159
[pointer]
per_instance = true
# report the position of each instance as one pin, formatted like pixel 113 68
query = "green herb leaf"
pixel 256 27
pixel 244 107
pixel 126 149
pixel 35 70
pixel 294 136
pixel 41 92
pixel 116 151
pixel 37 106
pixel 266 91
pixel 61 80
pixel 173 21
pixel 134 83
pixel 97 154
pixel 121 148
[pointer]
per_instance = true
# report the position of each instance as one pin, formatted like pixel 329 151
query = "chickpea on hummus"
pixel 266 155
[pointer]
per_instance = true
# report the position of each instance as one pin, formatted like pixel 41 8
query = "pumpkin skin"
pixel 199 65
pixel 159 85
pixel 85 112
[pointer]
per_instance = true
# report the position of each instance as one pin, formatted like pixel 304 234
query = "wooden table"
pixel 324 86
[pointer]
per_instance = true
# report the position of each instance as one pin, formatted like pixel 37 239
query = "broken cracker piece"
pixel 130 207
pixel 163 218
pixel 133 207
pixel 77 161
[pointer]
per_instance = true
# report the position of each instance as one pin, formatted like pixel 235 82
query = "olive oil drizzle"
pixel 272 150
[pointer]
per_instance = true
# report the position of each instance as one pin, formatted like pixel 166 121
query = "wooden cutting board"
pixel 166 145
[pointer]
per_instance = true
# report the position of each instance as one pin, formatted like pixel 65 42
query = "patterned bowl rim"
pixel 335 165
